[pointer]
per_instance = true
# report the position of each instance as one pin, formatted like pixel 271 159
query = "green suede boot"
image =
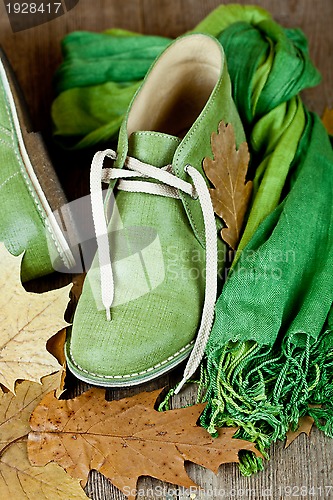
pixel 29 189
pixel 148 300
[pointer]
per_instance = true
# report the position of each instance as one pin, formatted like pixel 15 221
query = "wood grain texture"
pixel 35 54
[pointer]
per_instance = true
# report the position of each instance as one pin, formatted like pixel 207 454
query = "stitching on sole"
pixel 130 375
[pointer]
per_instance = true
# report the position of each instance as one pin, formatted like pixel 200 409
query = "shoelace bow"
pixel 169 185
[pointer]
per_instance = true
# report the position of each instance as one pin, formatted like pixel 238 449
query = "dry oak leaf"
pixel 27 321
pixel 19 479
pixel 327 120
pixel 55 345
pixel 126 439
pixel 78 281
pixel 227 172
pixel 305 425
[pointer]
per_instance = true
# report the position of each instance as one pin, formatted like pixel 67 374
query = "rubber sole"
pixel 124 380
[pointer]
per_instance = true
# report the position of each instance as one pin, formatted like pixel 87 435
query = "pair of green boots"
pixel 148 299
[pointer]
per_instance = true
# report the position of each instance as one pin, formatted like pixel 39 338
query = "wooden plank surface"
pixel 304 470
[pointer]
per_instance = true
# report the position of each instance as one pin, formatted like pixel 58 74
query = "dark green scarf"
pixel 270 353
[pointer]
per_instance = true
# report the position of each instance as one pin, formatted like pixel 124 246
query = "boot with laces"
pixel 148 299
pixel 29 189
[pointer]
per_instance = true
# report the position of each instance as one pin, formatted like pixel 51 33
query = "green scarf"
pixel 270 353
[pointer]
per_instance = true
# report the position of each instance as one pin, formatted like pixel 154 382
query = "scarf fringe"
pixel 265 390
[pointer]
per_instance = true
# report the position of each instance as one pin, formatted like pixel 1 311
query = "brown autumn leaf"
pixel 227 172
pixel 19 479
pixel 55 345
pixel 27 321
pixel 305 425
pixel 78 281
pixel 327 120
pixel 126 439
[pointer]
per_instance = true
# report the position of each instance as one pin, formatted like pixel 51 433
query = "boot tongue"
pixel 154 148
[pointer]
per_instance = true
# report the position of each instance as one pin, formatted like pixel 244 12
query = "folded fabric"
pixel 271 347
pixel 270 354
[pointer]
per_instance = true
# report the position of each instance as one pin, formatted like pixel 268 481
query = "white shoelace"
pixel 168 185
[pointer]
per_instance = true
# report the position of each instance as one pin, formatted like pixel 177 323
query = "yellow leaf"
pixel 19 479
pixel 27 321
pixel 227 172
pixel 15 410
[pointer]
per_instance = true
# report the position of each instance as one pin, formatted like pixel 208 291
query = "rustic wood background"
pixel 304 470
